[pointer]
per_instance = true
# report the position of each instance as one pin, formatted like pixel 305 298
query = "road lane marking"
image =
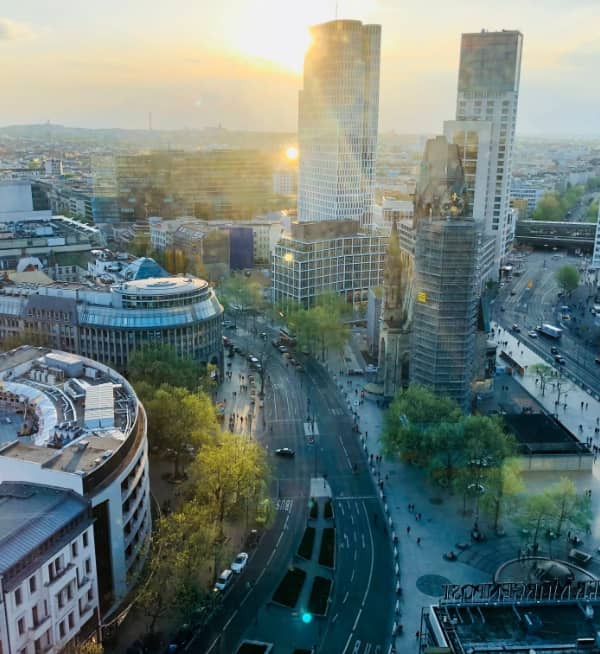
pixel 229 622
pixel 364 544
pixel 342 509
pixel 345 598
pixel 368 648
pixel 357 619
pixel 343 652
pixel 357 645
pixel 352 575
pixel 352 519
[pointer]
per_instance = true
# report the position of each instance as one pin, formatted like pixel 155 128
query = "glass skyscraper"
pixel 337 122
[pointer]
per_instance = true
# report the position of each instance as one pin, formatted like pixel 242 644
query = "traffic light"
pixel 306 617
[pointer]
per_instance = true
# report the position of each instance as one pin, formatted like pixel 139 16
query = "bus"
pixel 550 330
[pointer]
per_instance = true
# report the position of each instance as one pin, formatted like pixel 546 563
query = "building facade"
pixel 108 323
pixel 48 587
pixel 333 256
pixel 488 90
pixel 338 112
pixel 77 425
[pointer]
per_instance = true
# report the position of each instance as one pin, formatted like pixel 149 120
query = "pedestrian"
pixel 418 635
pixel 419 540
pixel 408 530
pixel 586 406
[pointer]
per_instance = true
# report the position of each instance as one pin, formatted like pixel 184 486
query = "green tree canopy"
pixel 239 293
pixel 162 365
pixel 567 278
pixel 503 484
pixel 180 421
pixel 411 422
pixel 229 477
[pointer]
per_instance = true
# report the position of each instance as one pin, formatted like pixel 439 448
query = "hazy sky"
pixel 107 63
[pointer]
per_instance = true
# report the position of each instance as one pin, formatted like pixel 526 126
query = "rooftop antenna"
pixel 150 121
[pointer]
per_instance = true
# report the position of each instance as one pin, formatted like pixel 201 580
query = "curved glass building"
pixel 107 323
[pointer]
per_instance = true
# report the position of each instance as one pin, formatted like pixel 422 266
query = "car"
pixel 559 359
pixel 597 360
pixel 263 335
pixel 282 348
pixel 223 581
pixel 252 539
pixel 554 350
pixel 532 334
pixel 239 564
pixel 516 328
pixel 285 452
pixel 232 326
pixel 513 292
pixel 502 309
pixel 299 367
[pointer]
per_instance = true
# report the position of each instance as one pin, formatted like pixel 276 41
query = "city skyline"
pixel 194 67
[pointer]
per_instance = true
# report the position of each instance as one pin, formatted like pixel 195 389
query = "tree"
pixel 229 475
pixel 91 647
pixel 591 215
pixel 549 208
pixel 178 565
pixel 446 443
pixel 544 373
pixel 240 294
pixel 567 278
pixel 571 509
pixel 412 415
pixel 180 421
pixel 502 485
pixel 536 513
pixel 162 364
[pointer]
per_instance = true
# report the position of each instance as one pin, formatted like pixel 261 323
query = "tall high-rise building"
pixel 488 92
pixel 337 122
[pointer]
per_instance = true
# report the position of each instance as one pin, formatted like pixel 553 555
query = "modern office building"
pixel 106 322
pixel 212 184
pixel 531 193
pixel 488 90
pixel 327 256
pixel 338 111
pixel 595 265
pixel 48 588
pixel 77 425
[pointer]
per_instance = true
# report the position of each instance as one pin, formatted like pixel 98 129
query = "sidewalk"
pixel 422 569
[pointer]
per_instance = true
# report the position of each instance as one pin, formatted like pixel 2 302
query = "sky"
pixel 238 63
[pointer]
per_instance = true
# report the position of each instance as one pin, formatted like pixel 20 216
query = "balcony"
pixel 39 627
pixel 59 575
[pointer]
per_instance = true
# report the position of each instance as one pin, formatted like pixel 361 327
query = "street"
pixel 360 609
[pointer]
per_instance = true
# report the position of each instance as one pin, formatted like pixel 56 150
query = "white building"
pixel 53 167
pixel 16 203
pixel 488 90
pixel 48 584
pixel 523 191
pixel 388 211
pixel 337 122
pixel 77 425
pixel 596 255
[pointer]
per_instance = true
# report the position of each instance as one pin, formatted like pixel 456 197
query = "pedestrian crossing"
pixel 338 412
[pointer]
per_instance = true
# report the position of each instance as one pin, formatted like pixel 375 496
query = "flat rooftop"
pixel 62 411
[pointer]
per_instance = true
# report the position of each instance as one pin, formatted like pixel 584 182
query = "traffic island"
pixel 319 596
pixel 327 553
pixel 305 549
pixel 289 589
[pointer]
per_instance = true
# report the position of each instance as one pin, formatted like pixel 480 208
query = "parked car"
pixel 282 348
pixel 285 452
pixel 223 581
pixel 239 564
pixel 532 334
pixel 252 539
pixel 554 350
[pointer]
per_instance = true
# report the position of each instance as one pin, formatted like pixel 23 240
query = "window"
pixel 88 566
pixel 21 626
pixel 18 597
pixel 61 629
pixel 32 584
pixel 74 549
pixel 85 539
pixel 71 620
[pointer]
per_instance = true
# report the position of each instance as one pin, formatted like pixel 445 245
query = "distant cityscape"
pixel 264 350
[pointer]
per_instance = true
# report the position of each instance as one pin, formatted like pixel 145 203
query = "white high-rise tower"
pixel 488 93
pixel 337 122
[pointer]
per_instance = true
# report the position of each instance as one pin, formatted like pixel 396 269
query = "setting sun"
pixel 292 153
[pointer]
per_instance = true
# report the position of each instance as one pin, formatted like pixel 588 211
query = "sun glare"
pixel 283 48
pixel 292 153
